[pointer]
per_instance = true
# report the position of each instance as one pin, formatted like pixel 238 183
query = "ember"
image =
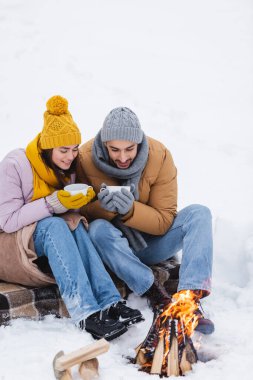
pixel 168 350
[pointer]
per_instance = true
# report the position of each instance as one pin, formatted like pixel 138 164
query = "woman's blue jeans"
pixel 190 232
pixel 83 281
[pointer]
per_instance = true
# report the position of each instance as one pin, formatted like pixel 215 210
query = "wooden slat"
pixel 88 370
pixel 158 357
pixel 185 365
pixel 61 375
pixel 83 354
pixel 173 365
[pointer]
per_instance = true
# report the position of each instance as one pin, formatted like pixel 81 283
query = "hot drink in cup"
pixel 113 189
pixel 77 188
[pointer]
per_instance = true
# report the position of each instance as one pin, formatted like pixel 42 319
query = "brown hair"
pixel 60 174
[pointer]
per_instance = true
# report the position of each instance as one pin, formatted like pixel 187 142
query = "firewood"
pixel 137 349
pixel 168 341
pixel 151 339
pixel 189 356
pixel 63 374
pixel 83 354
pixel 88 370
pixel 173 365
pixel 158 357
pixel 140 358
pixel 185 365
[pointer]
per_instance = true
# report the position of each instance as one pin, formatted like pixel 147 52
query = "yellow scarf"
pixel 44 179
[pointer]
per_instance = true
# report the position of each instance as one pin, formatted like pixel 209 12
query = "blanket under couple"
pixel 39 295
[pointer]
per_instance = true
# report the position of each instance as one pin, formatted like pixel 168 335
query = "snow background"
pixel 185 68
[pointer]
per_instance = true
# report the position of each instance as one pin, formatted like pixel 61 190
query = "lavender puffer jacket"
pixel 16 191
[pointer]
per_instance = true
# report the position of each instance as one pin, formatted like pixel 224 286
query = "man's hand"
pixel 106 199
pixel 123 200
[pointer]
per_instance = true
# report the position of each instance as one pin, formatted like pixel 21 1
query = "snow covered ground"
pixel 185 68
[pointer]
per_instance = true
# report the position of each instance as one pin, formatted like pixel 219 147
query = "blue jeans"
pixel 84 284
pixel 191 231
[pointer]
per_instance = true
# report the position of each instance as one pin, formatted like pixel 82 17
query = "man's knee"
pixel 100 229
pixel 200 212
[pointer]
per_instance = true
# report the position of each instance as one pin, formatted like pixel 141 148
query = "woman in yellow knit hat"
pixel 38 218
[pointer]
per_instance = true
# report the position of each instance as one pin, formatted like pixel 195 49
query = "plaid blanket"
pixel 34 303
pixel 18 301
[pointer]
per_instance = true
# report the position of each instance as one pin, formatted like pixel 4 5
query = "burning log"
pixel 188 358
pixel 168 349
pixel 172 358
pixel 158 357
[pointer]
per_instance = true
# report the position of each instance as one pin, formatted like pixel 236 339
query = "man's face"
pixel 121 152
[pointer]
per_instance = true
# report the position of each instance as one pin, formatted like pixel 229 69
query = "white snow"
pixel 185 68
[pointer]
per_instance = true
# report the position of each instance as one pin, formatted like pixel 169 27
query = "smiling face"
pixel 63 156
pixel 121 152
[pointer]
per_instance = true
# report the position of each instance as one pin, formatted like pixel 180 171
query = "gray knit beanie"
pixel 122 124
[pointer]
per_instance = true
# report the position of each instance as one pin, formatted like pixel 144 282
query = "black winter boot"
pixel 120 311
pixel 205 325
pixel 157 295
pixel 101 325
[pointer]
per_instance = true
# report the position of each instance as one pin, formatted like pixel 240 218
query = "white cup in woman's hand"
pixel 77 188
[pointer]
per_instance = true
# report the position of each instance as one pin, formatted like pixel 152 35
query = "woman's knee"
pixel 53 223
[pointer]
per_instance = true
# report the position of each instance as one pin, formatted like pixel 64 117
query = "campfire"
pixel 168 349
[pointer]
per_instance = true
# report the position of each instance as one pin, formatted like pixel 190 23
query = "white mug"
pixel 113 189
pixel 77 188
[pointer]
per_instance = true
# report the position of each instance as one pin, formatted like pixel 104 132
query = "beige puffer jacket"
pixel 156 208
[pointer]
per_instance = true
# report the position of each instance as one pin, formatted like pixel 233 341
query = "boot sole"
pixel 108 336
pixel 132 321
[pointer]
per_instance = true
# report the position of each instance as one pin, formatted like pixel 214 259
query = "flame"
pixel 183 307
pixel 170 334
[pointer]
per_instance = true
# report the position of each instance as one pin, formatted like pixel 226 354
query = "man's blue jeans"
pixel 190 232
pixel 84 284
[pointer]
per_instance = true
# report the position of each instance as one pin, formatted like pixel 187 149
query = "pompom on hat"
pixel 122 124
pixel 59 127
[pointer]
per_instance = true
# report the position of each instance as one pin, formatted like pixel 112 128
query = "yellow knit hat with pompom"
pixel 59 127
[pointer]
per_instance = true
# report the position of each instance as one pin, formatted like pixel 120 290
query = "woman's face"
pixel 63 156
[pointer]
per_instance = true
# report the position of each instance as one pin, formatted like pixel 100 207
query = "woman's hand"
pixel 62 201
pixel 71 201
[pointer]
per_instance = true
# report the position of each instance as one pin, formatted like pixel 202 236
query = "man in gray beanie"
pixel 136 227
